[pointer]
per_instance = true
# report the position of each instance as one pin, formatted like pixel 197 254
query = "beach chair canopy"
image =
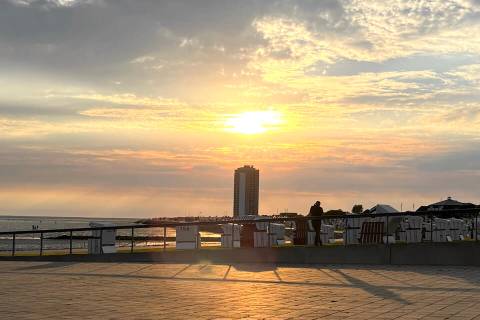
pixel 382 208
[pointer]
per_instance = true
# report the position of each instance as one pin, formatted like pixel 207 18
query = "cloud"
pixel 133 96
pixel 400 28
pixel 52 3
pixel 122 99
pixel 143 59
pixel 469 73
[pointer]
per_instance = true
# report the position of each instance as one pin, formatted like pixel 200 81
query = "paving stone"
pixel 55 290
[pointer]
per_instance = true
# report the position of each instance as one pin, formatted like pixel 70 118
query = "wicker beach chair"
pixel 226 236
pixel 414 229
pixel 247 235
pixel 187 237
pixel 372 232
pixel 353 227
pixel 300 235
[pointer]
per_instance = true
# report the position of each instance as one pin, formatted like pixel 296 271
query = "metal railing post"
pixel 268 235
pixel 132 240
pixel 345 229
pixel 101 241
pixel 233 234
pixel 71 241
pixel 476 227
pixel 388 236
pixel 13 244
pixel 164 238
pixel 431 227
pixel 41 243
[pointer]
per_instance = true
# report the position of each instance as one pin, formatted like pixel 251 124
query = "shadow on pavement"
pixel 379 291
pixel 343 276
pixel 383 291
pixel 47 265
pixel 255 267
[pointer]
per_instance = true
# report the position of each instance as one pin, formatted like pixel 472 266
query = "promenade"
pixel 87 290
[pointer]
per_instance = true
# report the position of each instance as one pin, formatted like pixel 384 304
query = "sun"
pixel 253 122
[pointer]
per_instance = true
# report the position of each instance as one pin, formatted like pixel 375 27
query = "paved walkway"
pixel 55 290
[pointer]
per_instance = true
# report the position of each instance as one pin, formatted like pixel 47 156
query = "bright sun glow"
pixel 253 122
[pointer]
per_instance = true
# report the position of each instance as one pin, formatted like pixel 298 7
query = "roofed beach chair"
pixel 384 219
pixel 457 229
pixel 102 241
pixel 300 234
pixel 385 214
pixel 476 229
pixel 372 232
pixel 327 233
pixel 402 231
pixel 441 228
pixel 351 234
pixel 429 226
pixel 276 234
pixel 465 230
pixel 261 239
pixel 246 235
pixel 311 234
pixel 267 234
pixel 187 237
pixel 226 237
pixel 260 235
pixel 413 231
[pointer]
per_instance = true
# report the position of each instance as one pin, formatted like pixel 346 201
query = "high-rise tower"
pixel 245 194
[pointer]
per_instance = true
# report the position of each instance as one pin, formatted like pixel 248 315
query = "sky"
pixel 144 108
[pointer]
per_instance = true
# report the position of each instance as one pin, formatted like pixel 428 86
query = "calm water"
pixel 29 242
pixel 11 223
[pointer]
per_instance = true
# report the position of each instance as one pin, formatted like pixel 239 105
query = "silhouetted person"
pixel 316 211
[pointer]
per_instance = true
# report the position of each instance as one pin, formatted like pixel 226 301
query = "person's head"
pixel 318 203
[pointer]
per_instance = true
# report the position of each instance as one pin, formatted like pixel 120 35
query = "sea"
pixel 31 242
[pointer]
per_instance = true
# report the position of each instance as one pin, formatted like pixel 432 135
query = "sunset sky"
pixel 141 108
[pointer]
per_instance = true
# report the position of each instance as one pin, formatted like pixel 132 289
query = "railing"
pixel 470 215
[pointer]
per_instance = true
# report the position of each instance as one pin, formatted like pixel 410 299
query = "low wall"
pixel 462 254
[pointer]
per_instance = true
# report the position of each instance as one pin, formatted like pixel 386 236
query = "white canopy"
pixel 383 208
